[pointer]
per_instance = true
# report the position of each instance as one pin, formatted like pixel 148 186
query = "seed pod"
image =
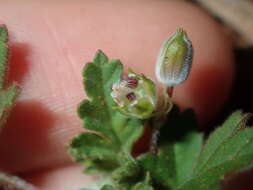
pixel 135 96
pixel 175 59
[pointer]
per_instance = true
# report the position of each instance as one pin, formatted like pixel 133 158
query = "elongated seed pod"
pixel 175 59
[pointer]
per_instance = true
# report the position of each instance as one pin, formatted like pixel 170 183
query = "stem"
pixel 157 122
pixel 170 91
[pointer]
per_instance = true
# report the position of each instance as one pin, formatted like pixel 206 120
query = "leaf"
pixel 7 94
pixel 3 53
pixel 140 184
pixel 127 174
pixel 144 185
pixel 7 98
pixel 108 187
pixel 179 149
pixel 235 122
pixel 229 149
pixel 183 163
pixel 112 133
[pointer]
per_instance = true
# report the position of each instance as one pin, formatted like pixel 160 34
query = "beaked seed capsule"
pixel 175 59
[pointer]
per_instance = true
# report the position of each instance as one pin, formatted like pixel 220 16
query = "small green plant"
pixel 120 107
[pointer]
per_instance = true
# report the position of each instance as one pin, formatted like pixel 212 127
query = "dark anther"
pixel 132 83
pixel 131 96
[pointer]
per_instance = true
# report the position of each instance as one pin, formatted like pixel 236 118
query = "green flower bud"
pixel 175 59
pixel 135 96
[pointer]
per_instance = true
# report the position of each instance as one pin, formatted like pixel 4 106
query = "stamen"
pixel 131 96
pixel 132 83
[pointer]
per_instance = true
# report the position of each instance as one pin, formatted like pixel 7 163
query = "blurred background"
pixel 236 16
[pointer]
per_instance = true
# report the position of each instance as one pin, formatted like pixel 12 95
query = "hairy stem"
pixel 157 122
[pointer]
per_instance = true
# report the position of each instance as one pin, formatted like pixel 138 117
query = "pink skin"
pixel 51 41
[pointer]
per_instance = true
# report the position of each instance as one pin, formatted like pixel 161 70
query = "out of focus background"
pixel 236 16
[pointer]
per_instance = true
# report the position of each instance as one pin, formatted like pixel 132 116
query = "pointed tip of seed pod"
pixel 180 30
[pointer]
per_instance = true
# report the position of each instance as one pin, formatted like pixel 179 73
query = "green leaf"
pixel 144 185
pixel 183 163
pixel 112 133
pixel 7 98
pixel 108 187
pixel 128 174
pixel 179 149
pixel 228 149
pixel 235 122
pixel 3 53
pixel 7 94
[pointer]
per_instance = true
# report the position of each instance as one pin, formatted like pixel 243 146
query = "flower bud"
pixel 135 96
pixel 175 59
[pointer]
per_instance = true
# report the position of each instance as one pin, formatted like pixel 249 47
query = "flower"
pixel 175 59
pixel 135 96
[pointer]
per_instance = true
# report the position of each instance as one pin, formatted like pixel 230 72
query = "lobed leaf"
pixel 179 149
pixel 235 122
pixel 229 149
pixel 183 163
pixel 112 133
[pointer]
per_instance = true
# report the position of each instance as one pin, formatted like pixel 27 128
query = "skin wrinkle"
pixel 62 46
pixel 59 47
